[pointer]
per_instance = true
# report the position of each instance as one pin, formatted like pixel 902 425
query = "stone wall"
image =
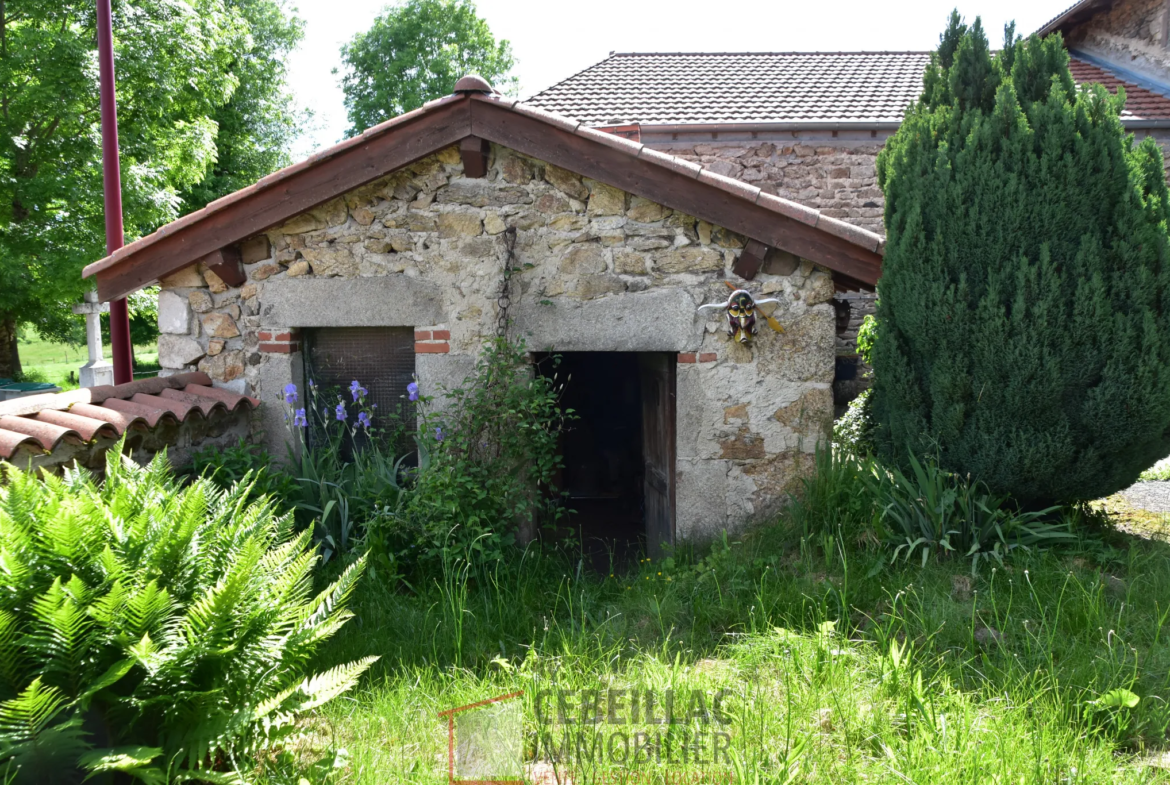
pixel 601 270
pixel 835 176
pixel 1128 34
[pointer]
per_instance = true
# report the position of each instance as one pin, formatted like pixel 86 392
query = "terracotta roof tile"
pixel 772 87
pixel 121 421
pixel 1140 103
pixel 47 434
pixel 77 416
pixel 11 441
pixel 86 427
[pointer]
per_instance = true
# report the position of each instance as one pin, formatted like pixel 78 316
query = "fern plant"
pixel 152 629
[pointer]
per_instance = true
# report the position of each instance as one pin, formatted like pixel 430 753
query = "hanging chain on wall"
pixel 504 300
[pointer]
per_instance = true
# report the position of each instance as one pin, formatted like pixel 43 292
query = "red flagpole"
pixel 112 181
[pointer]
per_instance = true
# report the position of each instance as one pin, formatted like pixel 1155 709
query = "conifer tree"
pixel 1023 324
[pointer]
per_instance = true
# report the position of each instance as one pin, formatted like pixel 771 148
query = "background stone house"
pixel 382 260
pixel 808 126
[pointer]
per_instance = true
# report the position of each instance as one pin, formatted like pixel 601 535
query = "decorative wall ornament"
pixel 741 314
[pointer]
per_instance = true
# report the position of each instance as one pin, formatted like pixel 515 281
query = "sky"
pixel 553 39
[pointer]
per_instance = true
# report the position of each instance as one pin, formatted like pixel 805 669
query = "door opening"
pixel 619 453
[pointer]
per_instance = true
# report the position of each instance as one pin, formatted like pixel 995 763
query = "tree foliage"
pixel 185 70
pixel 1022 335
pixel 414 53
pixel 258 124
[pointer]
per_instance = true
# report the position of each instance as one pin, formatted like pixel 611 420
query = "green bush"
pixel 487 459
pixel 152 629
pixel 855 430
pixel 933 511
pixel 926 511
pixel 246 463
pixel 1021 328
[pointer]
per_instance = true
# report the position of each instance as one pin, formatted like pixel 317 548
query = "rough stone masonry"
pixel 602 271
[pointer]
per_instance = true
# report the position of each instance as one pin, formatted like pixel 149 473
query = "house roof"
pixel 1142 100
pixel 44 422
pixel 854 254
pixel 740 87
pixel 811 89
pixel 1073 15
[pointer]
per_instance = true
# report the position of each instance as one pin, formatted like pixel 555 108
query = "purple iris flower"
pixel 339 412
pixel 357 390
pixel 312 385
pixel 364 419
pixel 299 420
pixel 412 391
pixel 290 393
pixel 439 434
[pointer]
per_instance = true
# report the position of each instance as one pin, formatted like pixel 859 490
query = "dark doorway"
pixel 618 452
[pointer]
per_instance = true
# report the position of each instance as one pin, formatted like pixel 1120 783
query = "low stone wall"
pixel 180 440
pixel 600 270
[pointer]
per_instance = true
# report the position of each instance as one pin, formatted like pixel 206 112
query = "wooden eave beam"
pixel 474 152
pixel 678 191
pixel 312 185
pixel 226 263
pixel 747 265
pixel 843 283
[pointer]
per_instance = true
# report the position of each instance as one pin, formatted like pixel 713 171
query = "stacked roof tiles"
pixel 807 88
pixel 667 89
pixel 1140 103
pixel 43 423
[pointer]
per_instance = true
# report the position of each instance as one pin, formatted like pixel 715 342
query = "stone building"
pixel 382 259
pixel 807 126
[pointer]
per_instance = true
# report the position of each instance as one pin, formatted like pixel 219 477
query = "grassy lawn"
pixel 45 361
pixel 840 667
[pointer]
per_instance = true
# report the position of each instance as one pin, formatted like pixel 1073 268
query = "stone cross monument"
pixel 98 370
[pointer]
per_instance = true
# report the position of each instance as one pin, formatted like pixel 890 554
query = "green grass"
pixel 58 363
pixel 843 668
pixel 1160 471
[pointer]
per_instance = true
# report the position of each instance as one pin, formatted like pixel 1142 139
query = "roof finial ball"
pixel 473 83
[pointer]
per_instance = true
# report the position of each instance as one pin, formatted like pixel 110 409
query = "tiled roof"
pixel 772 87
pixel 1140 103
pixel 43 422
pixel 808 88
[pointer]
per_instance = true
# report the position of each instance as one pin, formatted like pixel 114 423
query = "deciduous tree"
pixel 414 53
pixel 196 80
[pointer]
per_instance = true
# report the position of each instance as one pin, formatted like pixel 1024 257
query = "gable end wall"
pixel 602 271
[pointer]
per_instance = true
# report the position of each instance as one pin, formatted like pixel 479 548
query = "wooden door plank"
pixel 658 449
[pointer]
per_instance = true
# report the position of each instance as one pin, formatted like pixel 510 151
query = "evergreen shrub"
pixel 1023 325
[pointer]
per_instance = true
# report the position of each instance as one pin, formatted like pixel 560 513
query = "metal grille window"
pixel 381 358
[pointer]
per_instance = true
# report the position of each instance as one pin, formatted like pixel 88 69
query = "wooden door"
pixel 658 448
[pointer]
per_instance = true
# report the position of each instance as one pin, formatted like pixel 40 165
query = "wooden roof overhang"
pixel 470 118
